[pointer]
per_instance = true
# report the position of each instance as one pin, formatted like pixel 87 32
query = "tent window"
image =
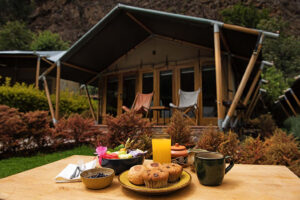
pixel 128 95
pixel 187 79
pixel 147 83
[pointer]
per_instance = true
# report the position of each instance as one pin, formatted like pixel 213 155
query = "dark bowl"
pixel 121 165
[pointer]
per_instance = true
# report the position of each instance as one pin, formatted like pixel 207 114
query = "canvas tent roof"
pixel 118 32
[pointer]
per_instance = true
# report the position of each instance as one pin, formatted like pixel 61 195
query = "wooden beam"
pixel 90 103
pixel 79 68
pixel 224 41
pixel 58 70
pixel 120 94
pixel 295 97
pixel 46 60
pixel 244 81
pixel 218 63
pixel 290 105
pixel 99 108
pixel 139 23
pixel 49 99
pixel 124 55
pixel 252 100
pixel 254 82
pixel 241 29
pixel 47 71
pixel 37 73
pixel 253 106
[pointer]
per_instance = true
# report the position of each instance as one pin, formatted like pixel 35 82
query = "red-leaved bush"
pixel 127 125
pixel 75 129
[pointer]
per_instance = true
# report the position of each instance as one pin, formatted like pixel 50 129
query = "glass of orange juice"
pixel 161 147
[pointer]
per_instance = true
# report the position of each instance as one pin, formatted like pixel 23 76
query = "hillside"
pixel 72 18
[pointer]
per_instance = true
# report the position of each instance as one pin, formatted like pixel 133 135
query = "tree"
pixel 15 36
pixel 242 15
pixel 285 50
pixel 47 41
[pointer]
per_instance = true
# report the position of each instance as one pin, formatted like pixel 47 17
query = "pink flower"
pixel 101 151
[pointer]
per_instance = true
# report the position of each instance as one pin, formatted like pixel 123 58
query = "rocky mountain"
pixel 72 18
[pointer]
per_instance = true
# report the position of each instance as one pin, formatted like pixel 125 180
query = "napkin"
pixel 65 175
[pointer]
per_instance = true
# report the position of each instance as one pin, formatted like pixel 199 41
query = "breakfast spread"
pixel 155 175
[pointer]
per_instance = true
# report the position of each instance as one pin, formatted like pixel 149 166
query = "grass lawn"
pixel 18 164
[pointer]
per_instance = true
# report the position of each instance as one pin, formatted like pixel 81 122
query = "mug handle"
pixel 231 164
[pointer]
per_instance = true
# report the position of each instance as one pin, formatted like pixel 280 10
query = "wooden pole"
pixel 218 64
pixel 58 70
pixel 255 80
pixel 49 100
pixel 79 68
pixel 37 74
pixel 253 106
pixel 295 97
pixel 47 71
pixel 90 102
pixel 252 100
pixel 283 108
pixel 290 105
pixel 243 82
pixel 139 23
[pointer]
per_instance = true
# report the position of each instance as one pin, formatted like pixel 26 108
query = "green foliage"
pixel 27 98
pixel 11 10
pixel 292 124
pixel 48 41
pixel 242 15
pixel 277 84
pixel 15 36
pixel 179 129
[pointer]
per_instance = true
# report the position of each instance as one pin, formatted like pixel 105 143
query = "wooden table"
pixel 242 182
pixel 158 110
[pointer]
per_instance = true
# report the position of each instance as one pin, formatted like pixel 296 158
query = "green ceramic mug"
pixel 210 167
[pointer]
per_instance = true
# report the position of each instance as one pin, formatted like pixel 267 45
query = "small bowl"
pixel 121 165
pixel 97 183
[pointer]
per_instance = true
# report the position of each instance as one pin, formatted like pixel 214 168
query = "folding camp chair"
pixel 187 102
pixel 140 104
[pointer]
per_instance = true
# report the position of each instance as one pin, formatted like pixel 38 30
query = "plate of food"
pixel 155 178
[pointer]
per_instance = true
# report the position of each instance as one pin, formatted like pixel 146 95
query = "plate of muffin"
pixel 155 178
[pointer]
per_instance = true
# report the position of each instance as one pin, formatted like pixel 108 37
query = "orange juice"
pixel 161 148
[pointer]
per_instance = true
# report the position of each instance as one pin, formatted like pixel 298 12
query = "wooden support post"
pixel 243 82
pixel 253 106
pixel 49 100
pixel 218 63
pixel 58 70
pixel 295 97
pixel 283 108
pixel 290 105
pixel 37 73
pixel 120 94
pixel 139 23
pixel 90 102
pixel 79 68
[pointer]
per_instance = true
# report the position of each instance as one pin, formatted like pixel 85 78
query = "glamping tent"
pixel 141 50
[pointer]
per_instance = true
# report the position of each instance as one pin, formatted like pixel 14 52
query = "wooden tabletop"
pixel 242 182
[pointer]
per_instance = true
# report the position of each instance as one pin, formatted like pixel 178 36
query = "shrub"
pixel 15 36
pixel 48 41
pixel 252 151
pixel 281 149
pixel 211 139
pixel 179 129
pixel 230 146
pixel 292 124
pixel 265 124
pixel 12 128
pixel 242 15
pixel 38 127
pixel 75 130
pixel 127 125
pixel 27 98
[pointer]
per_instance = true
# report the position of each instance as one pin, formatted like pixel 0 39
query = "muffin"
pixel 135 174
pixel 155 178
pixel 154 165
pixel 174 170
